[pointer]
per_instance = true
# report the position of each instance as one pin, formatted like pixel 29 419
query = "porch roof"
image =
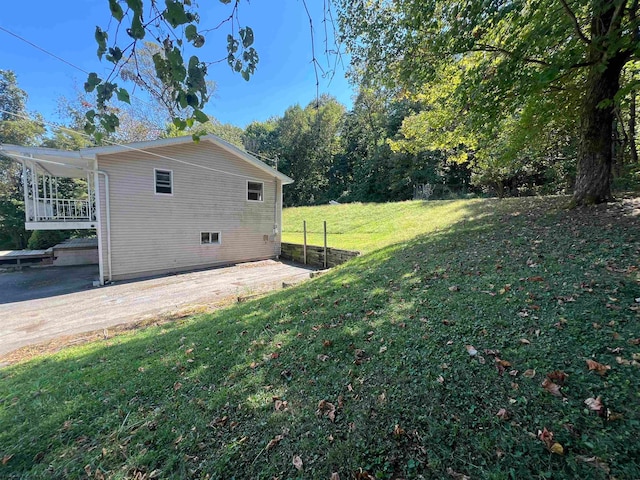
pixel 58 163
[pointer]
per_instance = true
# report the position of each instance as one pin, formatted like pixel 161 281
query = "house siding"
pixel 153 233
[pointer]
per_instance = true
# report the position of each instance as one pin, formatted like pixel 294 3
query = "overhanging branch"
pixel 574 20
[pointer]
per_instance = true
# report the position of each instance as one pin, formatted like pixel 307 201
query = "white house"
pixel 160 206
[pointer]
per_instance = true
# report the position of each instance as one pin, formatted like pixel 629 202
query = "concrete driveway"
pixel 37 305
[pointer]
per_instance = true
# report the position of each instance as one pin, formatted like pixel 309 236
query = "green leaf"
pixel 123 96
pixel 92 81
pixel 135 6
pixel 191 32
pixel 246 34
pixel 200 116
pixel 115 55
pixel 101 38
pixel 137 29
pixel 175 14
pixel 116 10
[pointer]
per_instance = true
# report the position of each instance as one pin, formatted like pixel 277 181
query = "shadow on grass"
pixel 382 339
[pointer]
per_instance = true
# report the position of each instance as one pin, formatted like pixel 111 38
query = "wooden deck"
pixel 17 256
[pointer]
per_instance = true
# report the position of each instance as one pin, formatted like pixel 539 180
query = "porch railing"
pixel 63 209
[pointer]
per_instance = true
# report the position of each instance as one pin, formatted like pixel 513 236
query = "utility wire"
pixel 146 152
pixel 84 71
pixel 43 50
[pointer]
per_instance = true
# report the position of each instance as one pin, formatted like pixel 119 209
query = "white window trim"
pixel 247 192
pixel 155 170
pixel 219 242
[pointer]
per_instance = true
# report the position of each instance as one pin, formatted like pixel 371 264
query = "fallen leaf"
pixel 524 341
pixel 504 363
pixel 558 376
pixel 594 462
pixel 456 475
pixel 454 288
pixel 513 373
pixel 6 459
pixel 326 409
pixel 274 355
pixel 397 431
pixel 297 462
pixel 551 387
pixel 274 441
pixel 335 476
pixel 323 358
pixel 536 278
pixel 471 350
pixel 557 449
pixel 382 349
pixel 188 351
pixel 546 437
pixel 594 404
pixel 598 367
pixel 327 343
pixel 502 414
pixel 177 386
pixel 440 379
pixel 635 341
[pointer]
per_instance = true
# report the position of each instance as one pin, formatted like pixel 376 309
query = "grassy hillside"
pixel 422 359
pixel 369 226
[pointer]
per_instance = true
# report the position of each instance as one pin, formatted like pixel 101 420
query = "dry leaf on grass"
pixel 558 376
pixel 456 475
pixel 503 414
pixel 398 431
pixel 524 341
pixel 529 373
pixel 297 462
pixel 551 387
pixel 596 405
pixel 335 476
pixel 594 462
pixel 471 350
pixel 274 441
pixel 546 437
pixel 598 367
pixel 6 459
pixel 323 358
pixel 326 409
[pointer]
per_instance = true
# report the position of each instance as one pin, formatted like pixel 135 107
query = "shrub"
pixel 43 239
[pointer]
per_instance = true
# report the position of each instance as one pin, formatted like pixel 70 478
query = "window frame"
pixel 155 181
pixel 209 243
pixel 261 191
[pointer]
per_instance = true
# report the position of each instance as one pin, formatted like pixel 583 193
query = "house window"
pixel 164 182
pixel 255 191
pixel 210 238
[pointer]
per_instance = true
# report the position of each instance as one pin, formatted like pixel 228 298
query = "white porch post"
pixel 25 190
pixel 96 190
pixel 34 189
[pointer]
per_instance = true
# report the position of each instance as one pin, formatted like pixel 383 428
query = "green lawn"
pixel 369 226
pixel 366 371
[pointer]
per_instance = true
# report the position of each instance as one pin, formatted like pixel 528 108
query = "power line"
pixel 109 141
pixel 129 147
pixel 43 50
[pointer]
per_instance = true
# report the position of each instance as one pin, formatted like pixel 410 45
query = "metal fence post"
pixel 325 244
pixel 304 248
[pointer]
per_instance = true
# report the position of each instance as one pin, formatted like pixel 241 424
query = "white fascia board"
pixel 165 142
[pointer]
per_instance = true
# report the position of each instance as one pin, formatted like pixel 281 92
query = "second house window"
pixel 164 182
pixel 210 238
pixel 254 191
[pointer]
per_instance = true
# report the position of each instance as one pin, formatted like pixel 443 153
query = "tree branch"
pixel 481 47
pixel 574 20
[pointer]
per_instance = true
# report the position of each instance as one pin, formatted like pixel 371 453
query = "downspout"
pixel 108 210
pixel 275 217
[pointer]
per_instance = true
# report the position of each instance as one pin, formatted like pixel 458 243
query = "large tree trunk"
pixel 593 179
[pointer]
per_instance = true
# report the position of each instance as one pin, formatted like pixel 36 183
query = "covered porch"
pixel 59 188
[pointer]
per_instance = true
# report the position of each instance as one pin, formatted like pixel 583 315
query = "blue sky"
pixel 285 75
